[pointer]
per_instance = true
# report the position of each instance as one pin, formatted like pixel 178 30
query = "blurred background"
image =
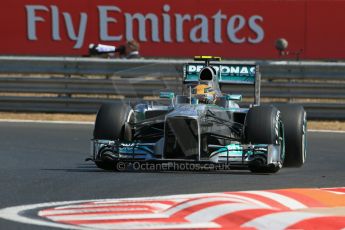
pixel 49 62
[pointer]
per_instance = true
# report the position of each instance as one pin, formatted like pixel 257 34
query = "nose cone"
pixel 186 111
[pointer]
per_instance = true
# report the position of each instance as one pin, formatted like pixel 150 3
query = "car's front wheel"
pixel 110 124
pixel 262 126
pixel 294 119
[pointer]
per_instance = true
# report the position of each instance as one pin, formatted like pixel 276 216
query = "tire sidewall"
pixel 294 119
pixel 262 125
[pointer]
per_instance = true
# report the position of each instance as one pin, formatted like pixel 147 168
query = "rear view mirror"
pixel 169 95
pixel 233 97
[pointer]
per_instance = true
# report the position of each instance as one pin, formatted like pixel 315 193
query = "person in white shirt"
pixel 128 51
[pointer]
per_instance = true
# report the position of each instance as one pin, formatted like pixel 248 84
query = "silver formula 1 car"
pixel 204 125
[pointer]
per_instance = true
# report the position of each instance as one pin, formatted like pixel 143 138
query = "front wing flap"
pixel 233 154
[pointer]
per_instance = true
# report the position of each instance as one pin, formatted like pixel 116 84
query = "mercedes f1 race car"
pixel 204 125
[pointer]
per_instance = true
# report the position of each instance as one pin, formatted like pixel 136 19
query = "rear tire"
pixel 261 127
pixel 295 130
pixel 111 125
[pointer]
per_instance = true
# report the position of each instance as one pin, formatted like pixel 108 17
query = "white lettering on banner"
pixel 243 70
pixel 232 28
pixel 104 20
pixel 142 26
pixel 179 25
pixel 151 27
pixel 166 24
pixel 203 27
pixel 218 17
pixel 74 35
pixel 32 19
pixel 256 28
pixel 55 23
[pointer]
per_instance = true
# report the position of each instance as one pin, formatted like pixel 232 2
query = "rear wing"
pixel 243 74
pixel 226 73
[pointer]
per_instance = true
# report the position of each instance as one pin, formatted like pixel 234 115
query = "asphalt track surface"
pixel 45 163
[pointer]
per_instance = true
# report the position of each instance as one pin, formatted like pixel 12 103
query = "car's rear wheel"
pixel 262 126
pixel 294 119
pixel 111 125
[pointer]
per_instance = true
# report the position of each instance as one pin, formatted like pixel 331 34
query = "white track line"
pixel 48 122
pixel 50 213
pixel 13 214
pixel 110 216
pixel 325 131
pixel 280 220
pixel 211 213
pixel 284 200
pixel 151 225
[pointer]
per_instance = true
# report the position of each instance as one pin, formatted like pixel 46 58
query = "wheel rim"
pixel 304 139
pixel 282 144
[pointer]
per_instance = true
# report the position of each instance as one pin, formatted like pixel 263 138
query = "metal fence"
pixel 80 85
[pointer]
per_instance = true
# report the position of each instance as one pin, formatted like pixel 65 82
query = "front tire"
pixel 294 119
pixel 110 121
pixel 110 124
pixel 263 127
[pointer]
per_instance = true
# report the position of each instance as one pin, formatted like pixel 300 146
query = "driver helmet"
pixel 204 93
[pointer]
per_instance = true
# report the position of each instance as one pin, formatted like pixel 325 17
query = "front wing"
pixel 232 155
